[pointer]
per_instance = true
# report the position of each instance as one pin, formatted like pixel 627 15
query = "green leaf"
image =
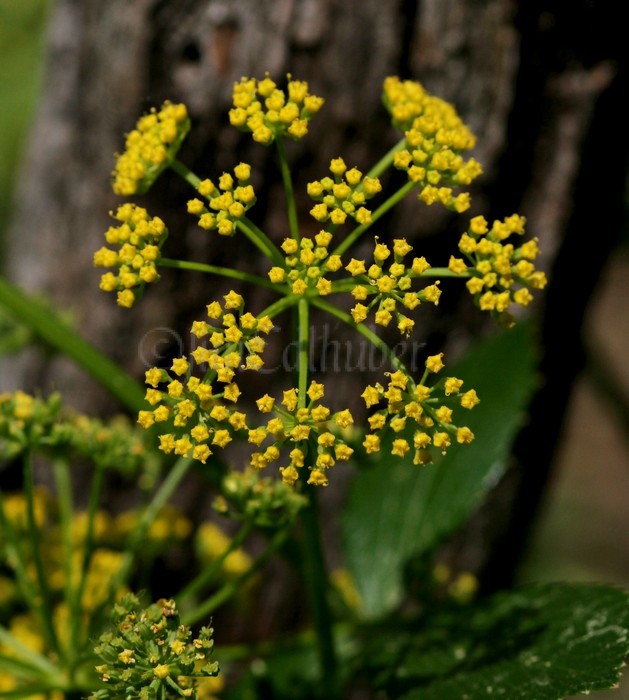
pixel 542 642
pixel 52 329
pixel 397 509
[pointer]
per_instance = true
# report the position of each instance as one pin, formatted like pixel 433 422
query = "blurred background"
pixel 541 84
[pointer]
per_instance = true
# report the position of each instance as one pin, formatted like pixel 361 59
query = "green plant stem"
pixel 221 271
pixel 386 159
pixel 280 305
pixel 96 488
pixel 206 576
pixel 364 330
pixel 61 473
pixel 253 233
pixel 47 324
pixel 288 188
pixel 187 174
pixel 303 312
pixel 260 240
pixel 33 533
pixel 232 587
pixel 15 559
pixel 159 500
pixel 380 211
pixel 27 656
pixel 441 272
pixel 316 581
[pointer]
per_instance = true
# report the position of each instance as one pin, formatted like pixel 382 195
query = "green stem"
pixel 161 497
pixel 61 472
pixel 187 174
pixel 253 233
pixel 380 211
pixel 48 325
pixel 15 559
pixel 222 271
pixel 259 239
pixel 386 159
pixel 206 576
pixel 288 189
pixel 372 337
pixel 303 344
pixel 316 581
pixel 27 656
pixel 92 508
pixel 232 587
pixel 33 533
pixel 441 272
pixel 280 305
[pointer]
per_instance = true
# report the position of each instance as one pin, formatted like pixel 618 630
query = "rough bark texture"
pixel 521 74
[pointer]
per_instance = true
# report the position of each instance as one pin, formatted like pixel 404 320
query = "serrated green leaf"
pixel 542 642
pixel 397 509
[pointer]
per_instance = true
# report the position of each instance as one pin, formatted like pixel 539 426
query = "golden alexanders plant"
pixel 196 400
pixel 75 629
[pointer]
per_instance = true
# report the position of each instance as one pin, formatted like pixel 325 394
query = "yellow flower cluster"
pixel 44 424
pixel 500 273
pixel 435 137
pixel 390 287
pixel 227 203
pixel 140 238
pixel 306 264
pixel 188 401
pixel 307 430
pixel 419 409
pixel 150 148
pixel 148 653
pixel 343 195
pixel 24 420
pixel 261 108
pixel 264 501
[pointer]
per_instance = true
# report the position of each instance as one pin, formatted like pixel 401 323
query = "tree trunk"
pixel 521 75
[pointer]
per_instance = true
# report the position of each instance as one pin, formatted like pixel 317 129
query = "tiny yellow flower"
pixel 343 418
pixel 233 300
pixel 153 376
pixel 356 267
pixel 434 363
pixel 318 478
pixel 464 435
pixel 277 275
pixel 371 443
pixel 180 366
pixel 469 399
pixel 289 475
pixel 400 447
pixel 452 385
pixel 420 265
pixel 457 265
pixel 265 404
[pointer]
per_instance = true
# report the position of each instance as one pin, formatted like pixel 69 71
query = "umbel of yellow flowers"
pixel 196 403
